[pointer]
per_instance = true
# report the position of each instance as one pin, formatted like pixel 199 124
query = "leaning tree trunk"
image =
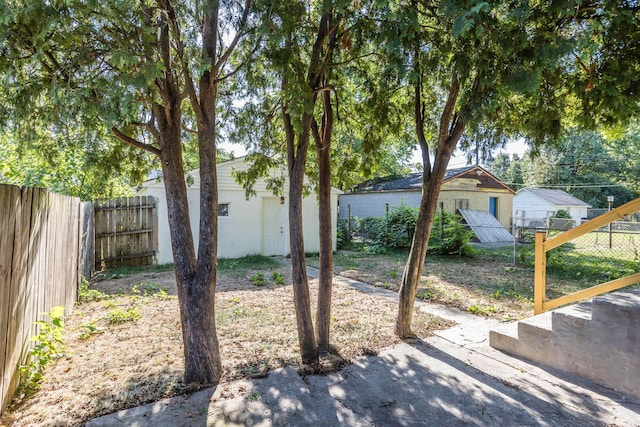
pixel 450 130
pixel 431 184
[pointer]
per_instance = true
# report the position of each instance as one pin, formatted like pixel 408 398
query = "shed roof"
pixel 556 197
pixel 410 182
pixel 414 181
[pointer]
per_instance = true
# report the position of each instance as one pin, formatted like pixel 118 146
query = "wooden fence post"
pixel 540 273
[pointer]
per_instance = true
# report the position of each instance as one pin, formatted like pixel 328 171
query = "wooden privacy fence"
pixel 40 241
pixel 126 231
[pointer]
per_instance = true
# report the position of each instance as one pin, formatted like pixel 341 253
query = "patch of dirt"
pixel 115 361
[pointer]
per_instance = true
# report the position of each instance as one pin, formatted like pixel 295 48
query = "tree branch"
pixel 191 131
pixel 243 21
pixel 133 142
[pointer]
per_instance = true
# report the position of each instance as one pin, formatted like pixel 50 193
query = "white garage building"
pixel 245 227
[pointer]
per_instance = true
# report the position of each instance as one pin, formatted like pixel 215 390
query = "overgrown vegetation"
pixel 454 238
pixel 394 231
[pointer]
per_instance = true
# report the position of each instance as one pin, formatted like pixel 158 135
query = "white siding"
pixel 529 207
pixel 240 233
pixel 365 205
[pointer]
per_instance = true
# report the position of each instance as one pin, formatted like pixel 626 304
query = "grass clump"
pixel 251 262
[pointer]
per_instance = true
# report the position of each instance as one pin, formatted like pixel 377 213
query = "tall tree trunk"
pixel 297 159
pixel 298 139
pixel 196 277
pixel 322 138
pixel 204 286
pixel 195 293
pixel 450 131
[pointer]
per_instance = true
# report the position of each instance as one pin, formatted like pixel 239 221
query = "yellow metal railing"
pixel 540 302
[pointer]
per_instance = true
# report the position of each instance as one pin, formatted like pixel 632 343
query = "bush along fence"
pixel 40 244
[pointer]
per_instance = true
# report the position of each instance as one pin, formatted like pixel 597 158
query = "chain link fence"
pixel 608 253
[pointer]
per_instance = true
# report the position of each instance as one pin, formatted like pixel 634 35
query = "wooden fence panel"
pixel 9 199
pixel 125 231
pixel 87 248
pixel 39 247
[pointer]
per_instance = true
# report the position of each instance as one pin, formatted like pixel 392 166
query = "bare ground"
pixel 126 350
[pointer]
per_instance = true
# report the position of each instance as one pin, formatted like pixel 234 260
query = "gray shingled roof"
pixel 556 197
pixel 409 182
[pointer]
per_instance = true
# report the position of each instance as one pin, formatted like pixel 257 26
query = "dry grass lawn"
pixel 491 288
pixel 126 350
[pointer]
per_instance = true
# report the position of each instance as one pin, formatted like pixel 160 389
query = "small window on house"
pixel 223 209
pixel 462 204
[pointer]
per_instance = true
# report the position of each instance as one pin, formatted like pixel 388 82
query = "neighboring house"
pixel 470 188
pixel 533 206
pixel 246 227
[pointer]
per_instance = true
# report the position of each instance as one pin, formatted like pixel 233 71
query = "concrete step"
pixel 599 340
pixel 622 307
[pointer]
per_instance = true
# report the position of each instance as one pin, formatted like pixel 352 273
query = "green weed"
pixel 86 295
pixel 118 315
pixel 474 309
pixel 90 329
pixel 425 295
pixel 277 278
pixel 258 279
pixel 48 347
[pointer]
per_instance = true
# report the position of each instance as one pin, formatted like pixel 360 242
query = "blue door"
pixel 493 206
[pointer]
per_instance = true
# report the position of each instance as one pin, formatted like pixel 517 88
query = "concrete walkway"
pixel 453 378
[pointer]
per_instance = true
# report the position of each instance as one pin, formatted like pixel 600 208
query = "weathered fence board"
pixel 87 248
pixel 125 231
pixel 39 256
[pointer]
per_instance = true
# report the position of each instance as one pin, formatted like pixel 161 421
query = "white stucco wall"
pixel 240 233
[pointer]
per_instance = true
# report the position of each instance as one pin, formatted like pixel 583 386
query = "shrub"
pixel 395 229
pixel 455 237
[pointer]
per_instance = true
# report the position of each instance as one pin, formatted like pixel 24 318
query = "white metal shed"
pixel 534 205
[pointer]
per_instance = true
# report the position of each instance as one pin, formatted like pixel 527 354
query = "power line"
pixel 572 185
